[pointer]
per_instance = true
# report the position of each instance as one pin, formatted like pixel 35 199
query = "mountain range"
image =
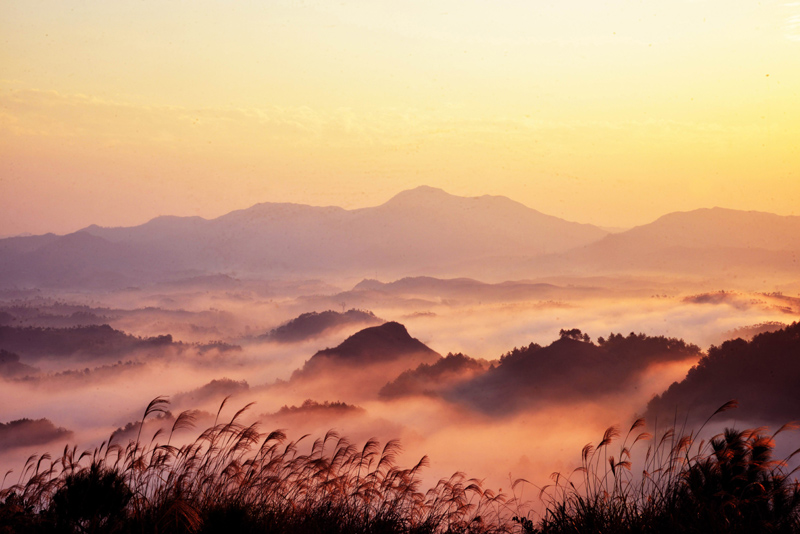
pixel 422 231
pixel 714 241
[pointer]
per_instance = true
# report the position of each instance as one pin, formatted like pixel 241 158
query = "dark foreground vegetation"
pixel 233 478
pixel 729 484
pixel 762 373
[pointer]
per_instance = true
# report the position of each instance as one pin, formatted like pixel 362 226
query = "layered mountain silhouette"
pixel 762 374
pixel 707 242
pixel 420 231
pixel 389 343
pixel 433 379
pixel 11 367
pixel 94 341
pixel 25 432
pixel 214 391
pixel 572 367
pixel 356 369
pixel 313 324
pixel 311 409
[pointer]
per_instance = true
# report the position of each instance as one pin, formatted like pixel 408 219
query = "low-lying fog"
pixel 87 383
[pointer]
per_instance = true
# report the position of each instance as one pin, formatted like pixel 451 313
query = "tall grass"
pixel 233 478
pixel 683 484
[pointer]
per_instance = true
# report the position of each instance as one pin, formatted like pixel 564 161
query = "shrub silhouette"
pixel 91 500
pixel 730 484
pixel 737 486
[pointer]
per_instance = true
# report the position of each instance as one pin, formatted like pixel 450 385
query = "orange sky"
pixel 612 113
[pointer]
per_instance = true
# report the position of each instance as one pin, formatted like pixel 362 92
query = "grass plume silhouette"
pixel 233 478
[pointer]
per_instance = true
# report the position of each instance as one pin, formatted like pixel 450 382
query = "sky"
pixel 612 113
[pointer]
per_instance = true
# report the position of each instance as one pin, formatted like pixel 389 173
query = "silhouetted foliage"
pixel 309 325
pixel 431 379
pixel 233 478
pixel 640 344
pixel 91 500
pixel 215 390
pixel 730 484
pixel 91 341
pixel 378 344
pixel 575 334
pixel 24 432
pixel 82 375
pixel 219 346
pixel 749 332
pixel 132 429
pixel 569 367
pixel 310 407
pixel 520 353
pixel 10 366
pixel 763 374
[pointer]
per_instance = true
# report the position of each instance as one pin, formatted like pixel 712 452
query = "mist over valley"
pixel 378 324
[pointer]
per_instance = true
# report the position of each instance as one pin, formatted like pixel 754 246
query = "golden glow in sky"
pixel 612 113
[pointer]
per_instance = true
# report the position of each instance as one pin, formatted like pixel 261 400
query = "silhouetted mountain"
pixel 164 422
pixel 25 432
pixel 420 231
pixel 424 230
pixel 92 342
pixel 432 379
pixel 96 341
pixel 313 324
pixel 766 302
pixel 81 377
pixel 749 332
pixel 387 343
pixel 31 318
pixel 13 246
pixel 732 298
pixel 216 391
pixel 718 228
pixel 132 429
pixel 79 259
pixel 40 312
pixel 762 374
pixel 569 368
pixel 312 408
pixel 702 242
pixel 10 366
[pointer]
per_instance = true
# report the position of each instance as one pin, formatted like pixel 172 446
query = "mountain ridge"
pixel 419 231
pixel 423 231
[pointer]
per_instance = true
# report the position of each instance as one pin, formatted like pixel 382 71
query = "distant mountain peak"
pixel 422 193
pixel 426 190
pixel 719 212
pixel 374 345
pixel 387 340
pixel 424 230
pixel 434 198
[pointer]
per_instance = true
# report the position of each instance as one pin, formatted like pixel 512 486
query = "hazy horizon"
pixel 449 270
pixel 610 229
pixel 614 115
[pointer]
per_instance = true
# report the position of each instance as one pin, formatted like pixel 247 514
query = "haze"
pixel 276 304
pixel 490 230
pixel 614 115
